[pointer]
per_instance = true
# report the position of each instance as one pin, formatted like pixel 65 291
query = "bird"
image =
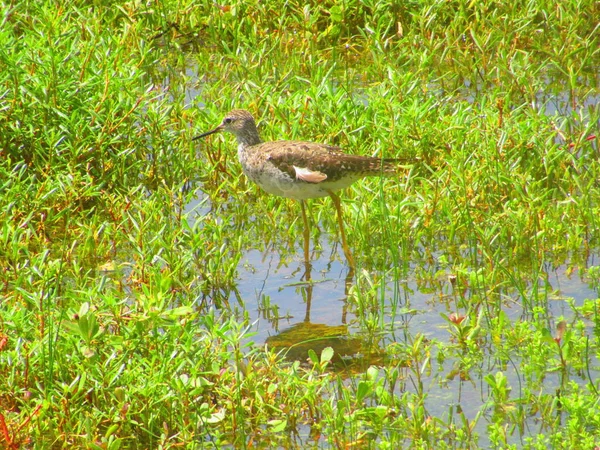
pixel 300 170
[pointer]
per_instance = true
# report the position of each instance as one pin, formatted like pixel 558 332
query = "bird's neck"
pixel 248 137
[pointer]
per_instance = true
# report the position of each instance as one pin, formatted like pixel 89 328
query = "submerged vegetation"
pixel 129 255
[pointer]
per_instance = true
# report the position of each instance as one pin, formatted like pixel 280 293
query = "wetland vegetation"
pixel 151 297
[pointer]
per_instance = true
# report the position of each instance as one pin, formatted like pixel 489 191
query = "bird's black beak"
pixel 208 133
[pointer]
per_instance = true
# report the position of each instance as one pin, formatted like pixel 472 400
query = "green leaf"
pixel 372 373
pixel 326 355
pixel 277 425
pixel 216 417
pixel 336 14
pixel 364 388
pixel 84 309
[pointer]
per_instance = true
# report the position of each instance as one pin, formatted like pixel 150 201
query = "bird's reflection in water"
pixel 352 353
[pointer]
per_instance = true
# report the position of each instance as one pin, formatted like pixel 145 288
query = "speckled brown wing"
pixel 323 158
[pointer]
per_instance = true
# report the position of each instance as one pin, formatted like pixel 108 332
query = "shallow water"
pixel 263 274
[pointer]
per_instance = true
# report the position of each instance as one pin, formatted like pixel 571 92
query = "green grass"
pixel 122 324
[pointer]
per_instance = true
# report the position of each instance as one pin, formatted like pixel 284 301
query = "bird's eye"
pixel 228 120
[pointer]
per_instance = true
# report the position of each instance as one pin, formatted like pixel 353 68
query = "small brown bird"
pixel 299 170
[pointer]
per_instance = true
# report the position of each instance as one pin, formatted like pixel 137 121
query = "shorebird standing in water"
pixel 298 169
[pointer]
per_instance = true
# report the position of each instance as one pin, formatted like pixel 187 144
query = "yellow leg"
pixel 306 233
pixel 338 207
